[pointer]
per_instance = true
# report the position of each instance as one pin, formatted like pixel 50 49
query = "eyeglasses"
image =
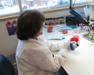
pixel 43 24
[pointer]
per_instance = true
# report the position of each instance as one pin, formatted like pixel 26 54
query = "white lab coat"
pixel 34 57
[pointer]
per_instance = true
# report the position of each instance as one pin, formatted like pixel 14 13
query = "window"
pixel 36 4
pixel 15 6
pixel 8 7
pixel 78 1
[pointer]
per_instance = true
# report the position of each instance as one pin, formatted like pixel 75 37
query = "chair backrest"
pixel 6 67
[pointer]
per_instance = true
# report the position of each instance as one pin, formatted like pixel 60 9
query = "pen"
pixel 57 38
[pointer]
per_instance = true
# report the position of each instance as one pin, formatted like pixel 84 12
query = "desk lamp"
pixel 77 15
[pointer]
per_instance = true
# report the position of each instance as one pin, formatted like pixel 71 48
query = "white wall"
pixel 8 43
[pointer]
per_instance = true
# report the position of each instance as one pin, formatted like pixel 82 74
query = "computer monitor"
pixel 77 15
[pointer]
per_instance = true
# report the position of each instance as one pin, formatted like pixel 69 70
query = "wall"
pixel 8 43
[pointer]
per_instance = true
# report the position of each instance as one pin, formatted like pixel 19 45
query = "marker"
pixel 54 38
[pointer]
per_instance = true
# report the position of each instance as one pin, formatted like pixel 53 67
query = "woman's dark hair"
pixel 29 23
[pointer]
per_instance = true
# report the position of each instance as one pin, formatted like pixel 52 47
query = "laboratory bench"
pixel 81 60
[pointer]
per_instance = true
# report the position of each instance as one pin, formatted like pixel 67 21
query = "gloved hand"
pixel 64 54
pixel 72 45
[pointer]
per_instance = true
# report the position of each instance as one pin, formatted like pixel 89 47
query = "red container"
pixel 65 31
pixel 75 38
pixel 49 29
pixel 46 26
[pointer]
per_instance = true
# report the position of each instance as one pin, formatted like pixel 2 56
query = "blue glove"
pixel 73 45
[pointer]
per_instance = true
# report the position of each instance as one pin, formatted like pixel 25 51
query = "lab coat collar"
pixel 33 40
pixel 37 41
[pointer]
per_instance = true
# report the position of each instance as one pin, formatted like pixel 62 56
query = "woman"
pixel 33 53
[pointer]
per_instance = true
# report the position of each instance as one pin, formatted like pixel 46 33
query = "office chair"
pixel 6 67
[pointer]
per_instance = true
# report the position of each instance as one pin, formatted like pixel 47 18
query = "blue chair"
pixel 6 67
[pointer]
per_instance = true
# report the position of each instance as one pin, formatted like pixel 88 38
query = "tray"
pixel 87 38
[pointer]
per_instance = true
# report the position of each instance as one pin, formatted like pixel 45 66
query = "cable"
pixel 74 3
